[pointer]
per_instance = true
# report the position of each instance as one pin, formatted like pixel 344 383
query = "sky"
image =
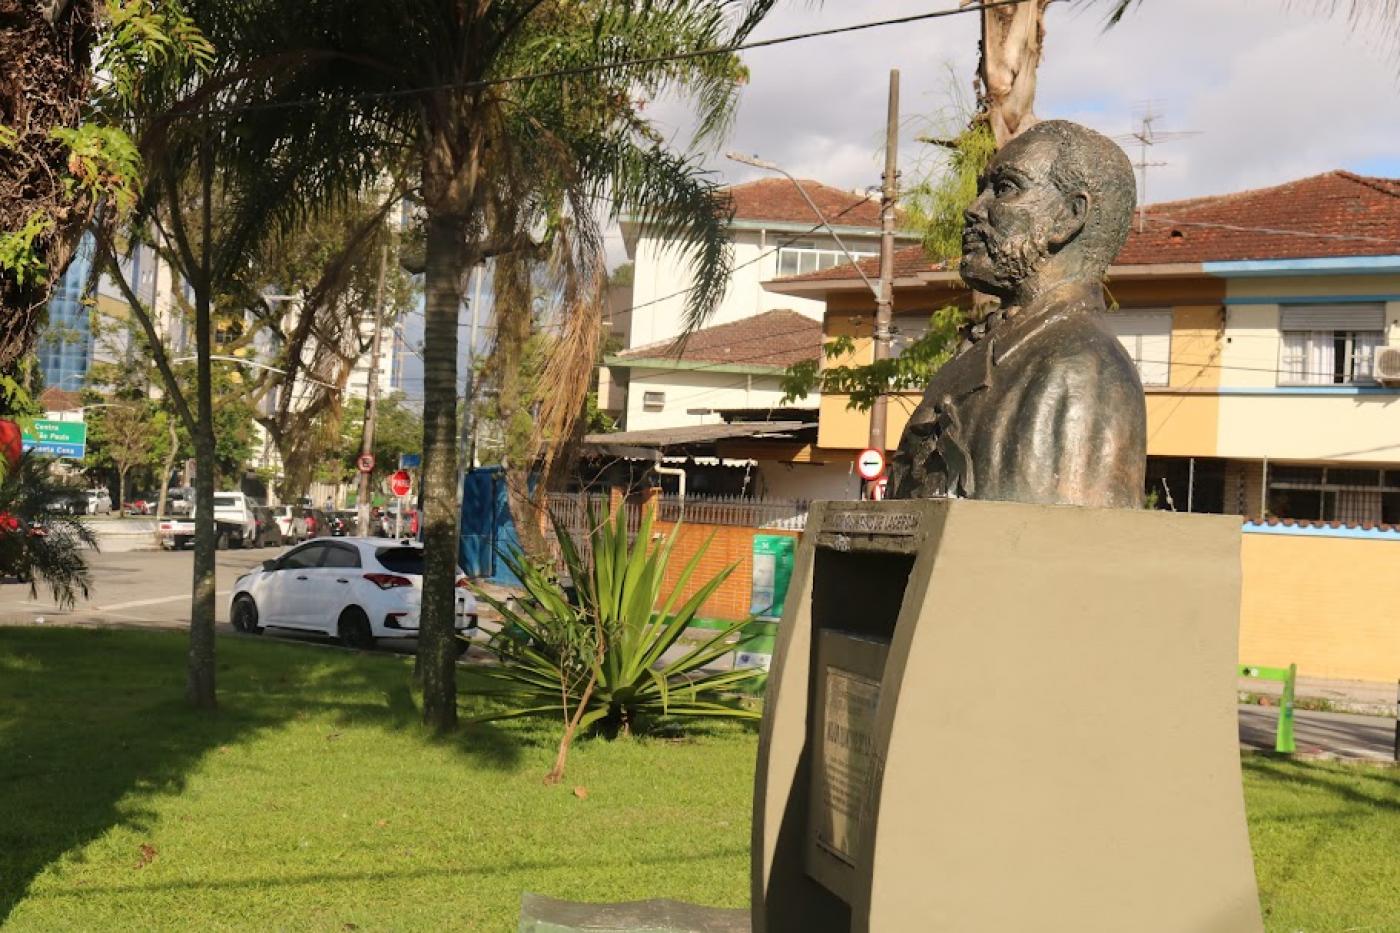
pixel 1272 91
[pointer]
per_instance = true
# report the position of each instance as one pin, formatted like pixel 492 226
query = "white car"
pixel 291 522
pixel 98 501
pixel 357 589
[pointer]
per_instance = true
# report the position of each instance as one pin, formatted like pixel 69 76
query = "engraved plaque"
pixel 846 761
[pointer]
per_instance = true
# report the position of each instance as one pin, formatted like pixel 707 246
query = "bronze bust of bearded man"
pixel 1040 403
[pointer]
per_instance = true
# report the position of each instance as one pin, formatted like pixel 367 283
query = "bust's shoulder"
pixel 1080 343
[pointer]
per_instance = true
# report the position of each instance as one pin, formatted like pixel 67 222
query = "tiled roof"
pixel 56 399
pixel 774 338
pixel 1334 214
pixel 779 200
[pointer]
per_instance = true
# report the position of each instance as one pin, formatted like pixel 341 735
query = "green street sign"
pixel 55 438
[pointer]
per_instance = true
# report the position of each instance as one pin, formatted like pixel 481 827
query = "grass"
pixel 312 800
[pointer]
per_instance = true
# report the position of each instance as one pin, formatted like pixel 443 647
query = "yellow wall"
pixel 1325 604
pixel 1182 419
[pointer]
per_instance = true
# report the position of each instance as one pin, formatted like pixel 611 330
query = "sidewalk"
pixel 1347 696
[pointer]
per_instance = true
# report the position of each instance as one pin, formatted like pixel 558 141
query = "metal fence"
pixel 572 511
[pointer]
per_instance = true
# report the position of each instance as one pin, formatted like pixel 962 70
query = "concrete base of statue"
pixel 990 716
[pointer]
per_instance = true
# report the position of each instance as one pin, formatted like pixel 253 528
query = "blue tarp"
pixel 487 529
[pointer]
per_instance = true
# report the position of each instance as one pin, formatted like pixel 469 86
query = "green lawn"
pixel 313 801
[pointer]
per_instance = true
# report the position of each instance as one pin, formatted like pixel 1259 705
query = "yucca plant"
pixel 36 542
pixel 596 655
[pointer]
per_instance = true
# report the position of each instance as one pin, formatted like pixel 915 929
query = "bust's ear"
pixel 1071 219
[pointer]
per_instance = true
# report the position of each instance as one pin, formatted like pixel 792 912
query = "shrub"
pixel 593 653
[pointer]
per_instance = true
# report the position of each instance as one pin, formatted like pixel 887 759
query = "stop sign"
pixel 400 483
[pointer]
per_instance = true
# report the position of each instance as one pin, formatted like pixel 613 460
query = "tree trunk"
pixel 121 492
pixel 199 682
pixel 166 468
pixel 447 266
pixel 1012 37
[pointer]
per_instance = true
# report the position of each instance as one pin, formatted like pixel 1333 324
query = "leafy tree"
pixel 120 436
pixel 398 429
pixel 515 170
pixel 331 263
pixel 61 155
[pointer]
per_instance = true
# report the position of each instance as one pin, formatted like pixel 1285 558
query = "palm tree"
pixel 521 171
pixel 38 543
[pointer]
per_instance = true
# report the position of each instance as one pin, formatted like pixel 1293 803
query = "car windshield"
pixel 407 560
pixel 224 502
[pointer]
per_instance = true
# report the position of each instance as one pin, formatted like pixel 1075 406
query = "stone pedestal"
pixel 989 716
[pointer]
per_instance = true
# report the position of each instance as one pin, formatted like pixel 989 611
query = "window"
pixel 799 260
pixel 339 555
pixel 1334 494
pixel 906 330
pixel 405 560
pixel 306 558
pixel 1330 344
pixel 1147 336
pixel 653 401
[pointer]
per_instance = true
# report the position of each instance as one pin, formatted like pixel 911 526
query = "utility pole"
pixel 372 392
pixel 884 304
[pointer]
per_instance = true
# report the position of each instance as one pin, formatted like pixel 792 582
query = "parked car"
pixel 318 523
pixel 179 501
pixel 356 589
pixel 235 508
pixel 291 521
pixel 97 502
pixel 267 532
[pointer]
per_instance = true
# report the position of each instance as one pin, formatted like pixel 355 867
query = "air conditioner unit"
pixel 1387 365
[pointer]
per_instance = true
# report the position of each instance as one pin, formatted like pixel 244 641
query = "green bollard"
pixel 1283 741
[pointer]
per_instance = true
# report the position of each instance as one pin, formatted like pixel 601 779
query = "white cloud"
pixel 1276 92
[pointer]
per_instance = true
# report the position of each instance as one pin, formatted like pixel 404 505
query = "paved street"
pixel 151 589
pixel 1344 734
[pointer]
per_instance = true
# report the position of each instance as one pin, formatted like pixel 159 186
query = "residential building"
pixel 356 386
pixel 1255 318
pixel 774 232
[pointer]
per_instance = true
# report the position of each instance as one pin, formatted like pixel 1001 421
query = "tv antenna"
pixel 1146 136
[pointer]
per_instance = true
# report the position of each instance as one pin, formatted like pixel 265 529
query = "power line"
pixel 634 62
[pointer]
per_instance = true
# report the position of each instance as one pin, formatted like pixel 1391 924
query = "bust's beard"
pixel 1004 263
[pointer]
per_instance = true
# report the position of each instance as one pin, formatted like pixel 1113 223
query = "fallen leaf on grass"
pixel 381 823
pixel 581 792
pixel 148 855
pixel 333 736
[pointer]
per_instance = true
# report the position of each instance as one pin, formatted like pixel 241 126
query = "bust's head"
pixel 1054 205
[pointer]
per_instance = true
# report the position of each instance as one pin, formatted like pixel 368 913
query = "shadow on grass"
pixel 94 727
pixel 622 861
pixel 1366 785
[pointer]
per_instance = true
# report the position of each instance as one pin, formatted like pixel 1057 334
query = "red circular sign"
pixel 400 483
pixel 366 463
pixel 870 463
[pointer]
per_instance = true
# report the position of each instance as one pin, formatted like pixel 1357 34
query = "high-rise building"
pixel 65 343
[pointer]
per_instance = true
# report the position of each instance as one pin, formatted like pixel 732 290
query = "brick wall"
pixel 1330 605
pixel 731 544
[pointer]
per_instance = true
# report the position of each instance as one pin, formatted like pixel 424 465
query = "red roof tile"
pixel 778 199
pixel 774 338
pixel 1334 214
pixel 56 399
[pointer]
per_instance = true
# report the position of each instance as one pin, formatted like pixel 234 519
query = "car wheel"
pixel 245 616
pixel 354 629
